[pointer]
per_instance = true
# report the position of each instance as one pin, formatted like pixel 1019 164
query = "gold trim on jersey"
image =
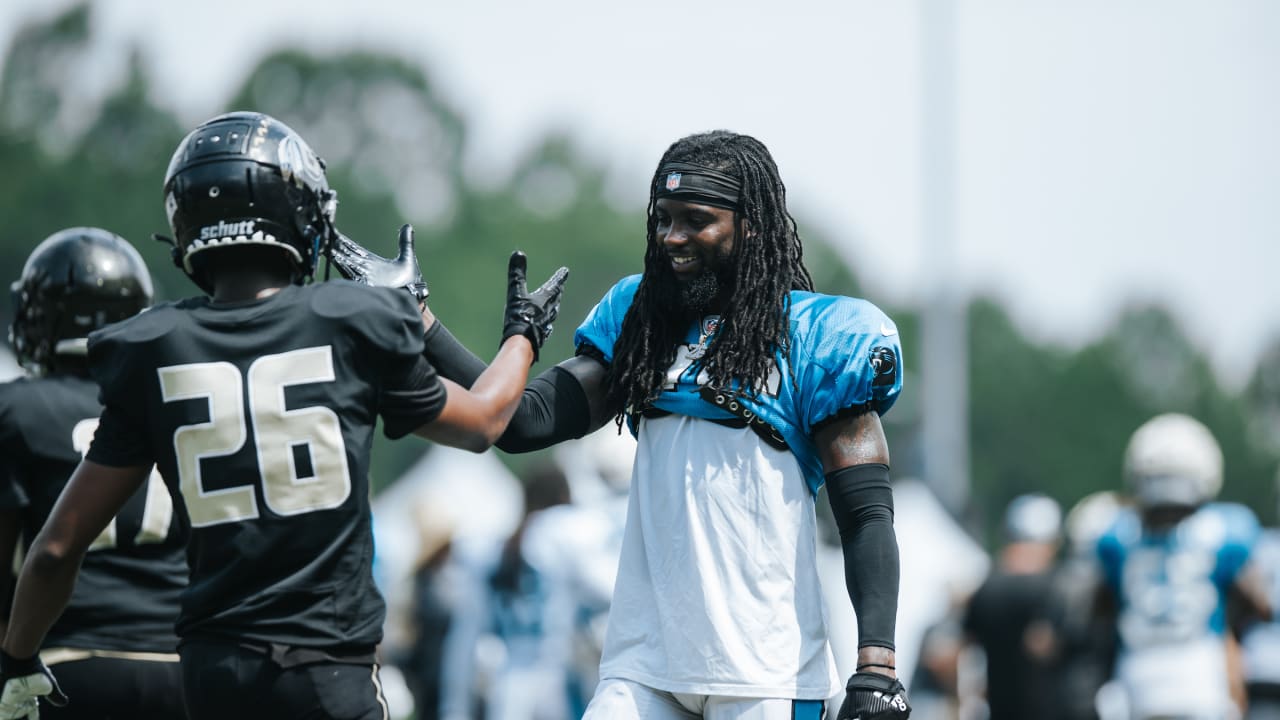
pixel 53 656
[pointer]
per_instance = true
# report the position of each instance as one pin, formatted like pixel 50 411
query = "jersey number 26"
pixel 277 433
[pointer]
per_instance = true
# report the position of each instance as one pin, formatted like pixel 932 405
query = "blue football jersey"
pixel 844 356
pixel 1172 586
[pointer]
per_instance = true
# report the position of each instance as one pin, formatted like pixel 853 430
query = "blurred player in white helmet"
pixel 1171 567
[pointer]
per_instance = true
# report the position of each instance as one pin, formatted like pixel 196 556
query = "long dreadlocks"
pixel 765 265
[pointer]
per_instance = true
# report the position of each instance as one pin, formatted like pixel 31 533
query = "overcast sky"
pixel 1107 150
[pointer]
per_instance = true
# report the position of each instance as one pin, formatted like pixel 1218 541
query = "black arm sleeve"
pixel 863 505
pixel 451 358
pixel 552 409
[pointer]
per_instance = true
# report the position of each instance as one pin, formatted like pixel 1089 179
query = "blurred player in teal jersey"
pixel 1172 567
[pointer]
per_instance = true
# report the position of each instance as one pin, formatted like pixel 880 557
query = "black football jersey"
pixel 126 596
pixel 260 416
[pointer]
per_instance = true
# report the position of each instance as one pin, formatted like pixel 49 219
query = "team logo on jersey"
pixel 884 363
pixel 673 181
pixel 710 324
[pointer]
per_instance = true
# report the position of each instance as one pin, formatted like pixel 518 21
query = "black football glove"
pixel 25 682
pixel 872 696
pixel 531 313
pixel 355 262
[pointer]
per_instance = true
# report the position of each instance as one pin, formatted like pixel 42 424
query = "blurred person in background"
pixel 258 403
pixel 1000 615
pixel 747 392
pixel 1172 566
pixel 516 598
pixel 1261 641
pixel 569 555
pixel 435 602
pixel 1080 643
pixel 590 533
pixel 114 646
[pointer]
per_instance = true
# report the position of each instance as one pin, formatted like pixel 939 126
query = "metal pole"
pixel 944 365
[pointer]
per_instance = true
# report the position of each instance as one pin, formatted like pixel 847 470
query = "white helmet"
pixel 1173 460
pixel 1090 517
pixel 1033 518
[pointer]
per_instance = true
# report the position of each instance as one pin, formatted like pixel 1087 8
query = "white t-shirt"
pixel 717 590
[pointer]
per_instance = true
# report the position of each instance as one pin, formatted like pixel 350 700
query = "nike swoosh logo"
pixel 888 330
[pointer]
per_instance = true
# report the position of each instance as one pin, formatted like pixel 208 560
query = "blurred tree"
pixel 1263 397
pixel 1056 421
pixel 42 96
pixel 1262 400
pixel 106 173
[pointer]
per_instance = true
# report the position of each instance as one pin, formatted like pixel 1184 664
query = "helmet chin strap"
pixel 175 253
pixel 316 254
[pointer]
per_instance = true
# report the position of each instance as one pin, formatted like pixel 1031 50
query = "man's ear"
pixel 745 230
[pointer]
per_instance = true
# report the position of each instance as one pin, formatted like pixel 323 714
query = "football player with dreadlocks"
pixel 747 391
pixel 114 646
pixel 258 406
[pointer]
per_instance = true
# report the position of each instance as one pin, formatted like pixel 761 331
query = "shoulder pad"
pixel 147 325
pixel 626 285
pixel 343 299
pixel 852 315
pixel 1224 523
pixel 603 325
pixel 10 394
pixel 386 317
pixel 852 352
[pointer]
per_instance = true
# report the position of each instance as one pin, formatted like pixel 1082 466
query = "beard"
pixel 697 294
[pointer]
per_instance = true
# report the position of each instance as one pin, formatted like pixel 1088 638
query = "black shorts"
pixel 225 680
pixel 113 688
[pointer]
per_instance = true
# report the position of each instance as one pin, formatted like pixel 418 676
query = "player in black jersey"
pixel 258 406
pixel 113 647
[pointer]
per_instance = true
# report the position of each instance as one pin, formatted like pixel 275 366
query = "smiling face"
pixel 699 241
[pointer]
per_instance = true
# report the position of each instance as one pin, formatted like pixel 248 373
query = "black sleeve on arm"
pixel 413 397
pixel 450 357
pixel 862 501
pixel 552 409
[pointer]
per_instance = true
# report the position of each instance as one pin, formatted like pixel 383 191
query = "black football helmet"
pixel 75 282
pixel 245 178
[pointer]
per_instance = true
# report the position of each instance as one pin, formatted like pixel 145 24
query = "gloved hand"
pixel 357 263
pixel 872 696
pixel 531 313
pixel 25 681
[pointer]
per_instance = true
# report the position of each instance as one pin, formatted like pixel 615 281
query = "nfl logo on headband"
pixel 673 181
